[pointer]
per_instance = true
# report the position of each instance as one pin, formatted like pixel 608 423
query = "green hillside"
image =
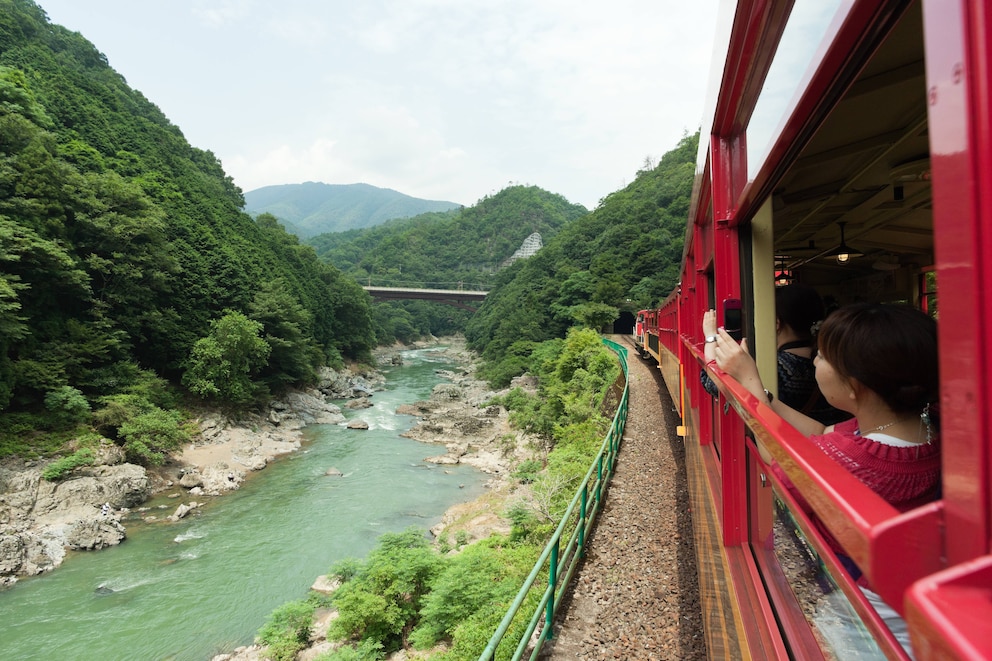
pixel 457 249
pixel 624 256
pixel 123 248
pixel 466 246
pixel 314 208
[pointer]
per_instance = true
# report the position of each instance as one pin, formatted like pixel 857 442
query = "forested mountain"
pixel 125 255
pixel 625 255
pixel 466 246
pixel 314 208
pixel 447 250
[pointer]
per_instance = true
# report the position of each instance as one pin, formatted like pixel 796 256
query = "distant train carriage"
pixel 638 335
pixel 848 146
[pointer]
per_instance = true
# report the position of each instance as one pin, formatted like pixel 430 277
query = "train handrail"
pixel 602 469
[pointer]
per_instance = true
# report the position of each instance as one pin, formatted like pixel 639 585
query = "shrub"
pixel 470 581
pixel 522 521
pixel 222 364
pixel 116 410
pixel 67 405
pixel 150 435
pixel 60 468
pixel 526 472
pixel 383 596
pixel 287 630
pixel 347 569
pixel 367 650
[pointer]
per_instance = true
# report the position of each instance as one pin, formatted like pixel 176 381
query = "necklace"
pixel 878 428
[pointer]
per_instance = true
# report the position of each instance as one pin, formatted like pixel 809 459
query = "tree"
pixel 594 315
pixel 285 324
pixel 222 363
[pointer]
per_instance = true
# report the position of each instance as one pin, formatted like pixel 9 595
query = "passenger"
pixel 879 363
pixel 798 309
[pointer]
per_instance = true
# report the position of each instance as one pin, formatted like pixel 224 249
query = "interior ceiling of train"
pixel 863 179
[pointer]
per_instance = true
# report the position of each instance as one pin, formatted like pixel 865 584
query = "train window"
pixel 839 631
pixel 806 27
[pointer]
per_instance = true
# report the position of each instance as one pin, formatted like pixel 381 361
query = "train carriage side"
pixel 849 147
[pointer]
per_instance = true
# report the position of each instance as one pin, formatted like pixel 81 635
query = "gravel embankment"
pixel 636 596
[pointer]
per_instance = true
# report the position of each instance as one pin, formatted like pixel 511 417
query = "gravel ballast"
pixel 636 595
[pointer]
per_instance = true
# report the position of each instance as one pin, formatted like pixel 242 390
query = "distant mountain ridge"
pixel 313 208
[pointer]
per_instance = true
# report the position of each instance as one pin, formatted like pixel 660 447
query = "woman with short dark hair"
pixel 878 363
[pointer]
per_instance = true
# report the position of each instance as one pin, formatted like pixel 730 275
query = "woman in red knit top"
pixel 878 363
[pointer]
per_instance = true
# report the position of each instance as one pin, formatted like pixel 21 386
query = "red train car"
pixel 848 146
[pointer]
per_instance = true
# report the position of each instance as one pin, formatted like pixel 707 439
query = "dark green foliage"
pixel 625 255
pixel 67 406
pixel 406 593
pixel 60 468
pixel 286 327
pixel 470 580
pixel 366 650
pixel 527 471
pixel 223 363
pixel 116 410
pixel 574 376
pixel 597 316
pixel 120 242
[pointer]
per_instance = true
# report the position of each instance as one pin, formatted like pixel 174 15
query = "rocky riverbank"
pixel 40 520
pixel 458 418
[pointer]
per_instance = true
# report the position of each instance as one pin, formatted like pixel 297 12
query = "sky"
pixel 448 100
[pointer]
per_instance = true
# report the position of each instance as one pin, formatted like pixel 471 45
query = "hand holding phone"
pixel 733 321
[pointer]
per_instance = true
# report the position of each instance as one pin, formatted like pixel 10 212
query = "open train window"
pixel 852 214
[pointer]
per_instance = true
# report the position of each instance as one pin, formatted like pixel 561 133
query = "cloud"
pixel 217 13
pixel 446 99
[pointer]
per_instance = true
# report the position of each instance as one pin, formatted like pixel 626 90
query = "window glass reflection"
pixel 808 23
pixel 838 629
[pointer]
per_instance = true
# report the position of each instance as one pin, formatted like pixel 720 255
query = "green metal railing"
pixel 577 522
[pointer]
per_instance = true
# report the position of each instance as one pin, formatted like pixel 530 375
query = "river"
pixel 205 585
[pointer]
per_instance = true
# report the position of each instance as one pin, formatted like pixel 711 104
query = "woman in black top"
pixel 798 310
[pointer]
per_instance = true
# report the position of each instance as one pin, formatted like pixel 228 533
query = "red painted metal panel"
pixel 725 164
pixel 894 549
pixel 950 613
pixel 958 83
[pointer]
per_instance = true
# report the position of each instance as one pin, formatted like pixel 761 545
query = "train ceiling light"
pixel 843 253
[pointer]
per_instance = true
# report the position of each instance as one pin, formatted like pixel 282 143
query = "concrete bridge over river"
pixel 461 298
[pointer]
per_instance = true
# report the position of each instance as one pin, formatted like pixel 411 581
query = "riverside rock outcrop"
pixel 457 416
pixel 41 520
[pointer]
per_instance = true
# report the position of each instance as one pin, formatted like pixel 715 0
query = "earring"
pixel 925 420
